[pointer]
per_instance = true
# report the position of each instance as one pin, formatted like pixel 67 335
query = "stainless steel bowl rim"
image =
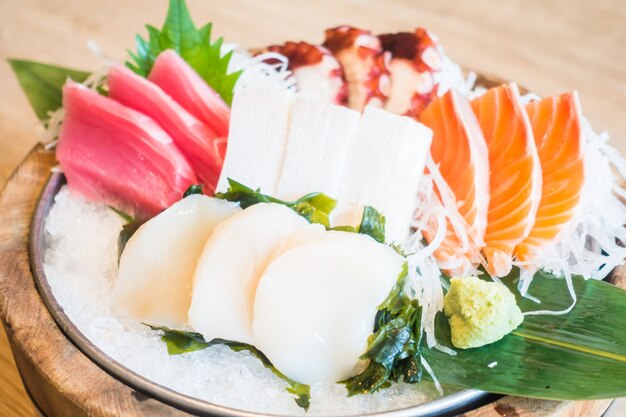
pixel 444 406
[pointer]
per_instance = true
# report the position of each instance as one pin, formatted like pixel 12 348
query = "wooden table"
pixel 548 46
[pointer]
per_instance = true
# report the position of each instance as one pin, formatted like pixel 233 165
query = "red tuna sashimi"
pixel 118 156
pixel 194 139
pixel 183 84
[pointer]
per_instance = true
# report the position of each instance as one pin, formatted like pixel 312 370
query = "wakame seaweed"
pixel 180 341
pixel 315 207
pixel 394 349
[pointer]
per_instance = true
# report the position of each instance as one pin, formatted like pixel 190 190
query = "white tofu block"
pixel 257 137
pixel 385 162
pixel 317 143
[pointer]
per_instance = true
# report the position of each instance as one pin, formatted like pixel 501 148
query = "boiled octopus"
pixel 316 71
pixel 364 65
pixel 415 58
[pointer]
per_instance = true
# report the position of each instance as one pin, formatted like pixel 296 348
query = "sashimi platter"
pixel 349 227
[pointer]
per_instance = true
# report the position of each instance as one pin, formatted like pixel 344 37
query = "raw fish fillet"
pixel 257 138
pixel 384 164
pixel 460 151
pixel 515 181
pixel 194 139
pixel 319 136
pixel 183 84
pixel 118 156
pixel 556 126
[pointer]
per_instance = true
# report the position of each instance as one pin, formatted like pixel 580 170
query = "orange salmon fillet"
pixel 460 151
pixel 556 124
pixel 515 174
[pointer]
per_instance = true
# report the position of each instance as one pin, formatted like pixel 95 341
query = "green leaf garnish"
pixel 193 189
pixel 315 207
pixel 180 341
pixel 127 217
pixel 128 230
pixel 193 45
pixel 373 224
pixel 578 356
pixel 43 84
pixel 393 349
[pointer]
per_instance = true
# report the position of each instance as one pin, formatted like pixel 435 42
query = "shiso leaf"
pixel 193 45
pixel 43 84
pixel 394 348
pixel 180 341
pixel 578 356
pixel 193 189
pixel 315 207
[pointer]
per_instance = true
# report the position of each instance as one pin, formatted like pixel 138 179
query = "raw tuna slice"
pixel 556 125
pixel 183 84
pixel 460 151
pixel 195 139
pixel 515 181
pixel 118 156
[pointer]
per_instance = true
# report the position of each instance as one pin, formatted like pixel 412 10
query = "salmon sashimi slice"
pixel 515 174
pixel 118 156
pixel 194 139
pixel 460 151
pixel 181 82
pixel 556 123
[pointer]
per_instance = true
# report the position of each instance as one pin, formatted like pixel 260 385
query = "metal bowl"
pixel 448 405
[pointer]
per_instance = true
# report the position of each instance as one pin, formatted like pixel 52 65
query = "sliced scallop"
pixel 232 261
pixel 158 262
pixel 315 305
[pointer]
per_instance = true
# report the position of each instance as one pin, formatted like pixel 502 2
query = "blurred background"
pixel 548 46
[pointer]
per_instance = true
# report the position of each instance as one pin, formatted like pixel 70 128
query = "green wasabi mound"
pixel 480 312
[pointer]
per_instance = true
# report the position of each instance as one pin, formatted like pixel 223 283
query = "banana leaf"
pixel 42 84
pixel 577 356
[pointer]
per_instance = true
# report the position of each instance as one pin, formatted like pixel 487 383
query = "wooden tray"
pixel 64 382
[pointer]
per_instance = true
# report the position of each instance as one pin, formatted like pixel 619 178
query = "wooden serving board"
pixel 65 383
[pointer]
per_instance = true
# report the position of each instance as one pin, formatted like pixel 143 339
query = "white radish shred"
pixel 432 374
pixel 257 72
pixel 590 246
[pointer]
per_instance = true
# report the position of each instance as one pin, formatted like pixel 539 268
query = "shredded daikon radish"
pixel 572 292
pixel 445 350
pixel 451 76
pixel 591 245
pixel 257 72
pixel 438 214
pixel 432 374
